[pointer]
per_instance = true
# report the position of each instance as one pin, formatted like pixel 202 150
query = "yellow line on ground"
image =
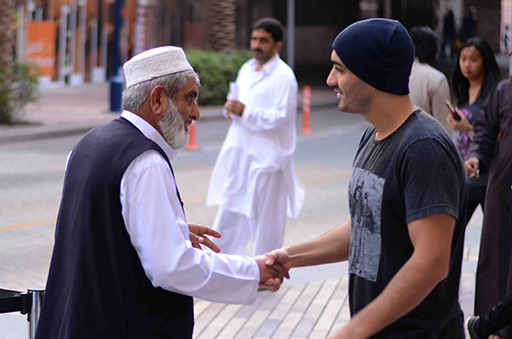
pixel 326 179
pixel 30 224
pixel 196 198
pixel 190 199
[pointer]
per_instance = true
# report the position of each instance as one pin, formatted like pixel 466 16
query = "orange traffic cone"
pixel 192 137
pixel 306 102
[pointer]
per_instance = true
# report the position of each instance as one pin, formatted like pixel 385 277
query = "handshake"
pixel 274 267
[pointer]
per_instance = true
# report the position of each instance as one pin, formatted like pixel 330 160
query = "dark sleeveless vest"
pixel 97 287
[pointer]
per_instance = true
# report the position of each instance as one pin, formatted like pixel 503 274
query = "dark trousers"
pixel 500 315
pixel 476 195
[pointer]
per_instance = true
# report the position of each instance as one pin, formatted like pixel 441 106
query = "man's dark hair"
pixel 425 44
pixel 272 26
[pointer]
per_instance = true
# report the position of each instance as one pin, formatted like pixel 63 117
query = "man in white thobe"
pixel 253 180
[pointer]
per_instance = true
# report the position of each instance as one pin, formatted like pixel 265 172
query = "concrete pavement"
pixel 311 305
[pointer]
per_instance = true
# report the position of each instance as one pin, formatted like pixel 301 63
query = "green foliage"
pixel 18 87
pixel 216 70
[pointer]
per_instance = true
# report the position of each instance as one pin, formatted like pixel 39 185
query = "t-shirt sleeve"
pixel 431 175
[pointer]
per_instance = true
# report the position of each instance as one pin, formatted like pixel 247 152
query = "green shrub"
pixel 18 87
pixel 216 70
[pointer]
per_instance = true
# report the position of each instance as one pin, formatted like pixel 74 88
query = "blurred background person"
pixel 506 40
pixel 491 152
pixel 449 34
pixel 474 77
pixel 253 180
pixel 428 86
pixel 469 25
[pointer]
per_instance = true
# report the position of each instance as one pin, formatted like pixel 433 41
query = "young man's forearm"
pixel 330 247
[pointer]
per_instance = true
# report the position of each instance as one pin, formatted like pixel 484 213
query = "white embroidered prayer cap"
pixel 154 63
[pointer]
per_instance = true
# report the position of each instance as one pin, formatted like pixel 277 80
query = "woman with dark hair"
pixel 474 77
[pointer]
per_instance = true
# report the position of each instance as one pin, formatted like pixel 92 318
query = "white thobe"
pixel 159 233
pixel 259 143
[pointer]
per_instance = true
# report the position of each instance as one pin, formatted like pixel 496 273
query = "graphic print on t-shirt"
pixel 365 191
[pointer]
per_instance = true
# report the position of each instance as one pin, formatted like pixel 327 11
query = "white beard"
pixel 172 126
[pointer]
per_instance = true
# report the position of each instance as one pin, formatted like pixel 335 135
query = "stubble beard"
pixel 172 126
pixel 261 56
pixel 357 103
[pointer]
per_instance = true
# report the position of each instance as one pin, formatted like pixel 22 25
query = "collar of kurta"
pixel 150 132
pixel 268 67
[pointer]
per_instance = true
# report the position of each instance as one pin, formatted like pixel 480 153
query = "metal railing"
pixel 26 303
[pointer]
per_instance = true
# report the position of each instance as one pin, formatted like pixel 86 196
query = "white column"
pixel 21 37
pixel 72 38
pixel 291 34
pixel 97 69
pixel 77 77
pixel 139 36
pixel 39 14
pixel 63 70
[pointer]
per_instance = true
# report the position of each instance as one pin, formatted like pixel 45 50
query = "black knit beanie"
pixel 378 51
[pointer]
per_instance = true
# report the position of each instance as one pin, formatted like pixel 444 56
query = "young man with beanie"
pixel 407 197
pixel 125 263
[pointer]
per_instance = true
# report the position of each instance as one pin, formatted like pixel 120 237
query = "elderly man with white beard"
pixel 125 262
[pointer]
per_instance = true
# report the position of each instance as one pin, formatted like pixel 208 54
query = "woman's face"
pixel 471 63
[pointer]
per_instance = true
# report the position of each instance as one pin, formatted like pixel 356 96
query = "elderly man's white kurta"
pixel 260 144
pixel 159 233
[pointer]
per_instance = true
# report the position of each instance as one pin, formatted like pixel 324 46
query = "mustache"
pixel 257 50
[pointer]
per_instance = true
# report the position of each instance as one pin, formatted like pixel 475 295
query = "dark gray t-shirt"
pixel 415 172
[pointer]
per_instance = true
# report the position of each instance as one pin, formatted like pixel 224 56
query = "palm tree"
pixel 221 24
pixel 6 33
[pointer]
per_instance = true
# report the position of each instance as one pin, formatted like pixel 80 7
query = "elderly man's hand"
pixel 198 233
pixel 234 107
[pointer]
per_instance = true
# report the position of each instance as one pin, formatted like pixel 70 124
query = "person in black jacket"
pixel 491 152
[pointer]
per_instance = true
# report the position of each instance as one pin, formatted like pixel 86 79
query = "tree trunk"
pixel 6 33
pixel 221 24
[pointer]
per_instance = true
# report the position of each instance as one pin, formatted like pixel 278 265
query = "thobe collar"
pixel 268 66
pixel 150 132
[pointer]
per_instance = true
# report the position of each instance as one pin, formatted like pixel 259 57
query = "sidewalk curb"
pixel 10 134
pixel 43 132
